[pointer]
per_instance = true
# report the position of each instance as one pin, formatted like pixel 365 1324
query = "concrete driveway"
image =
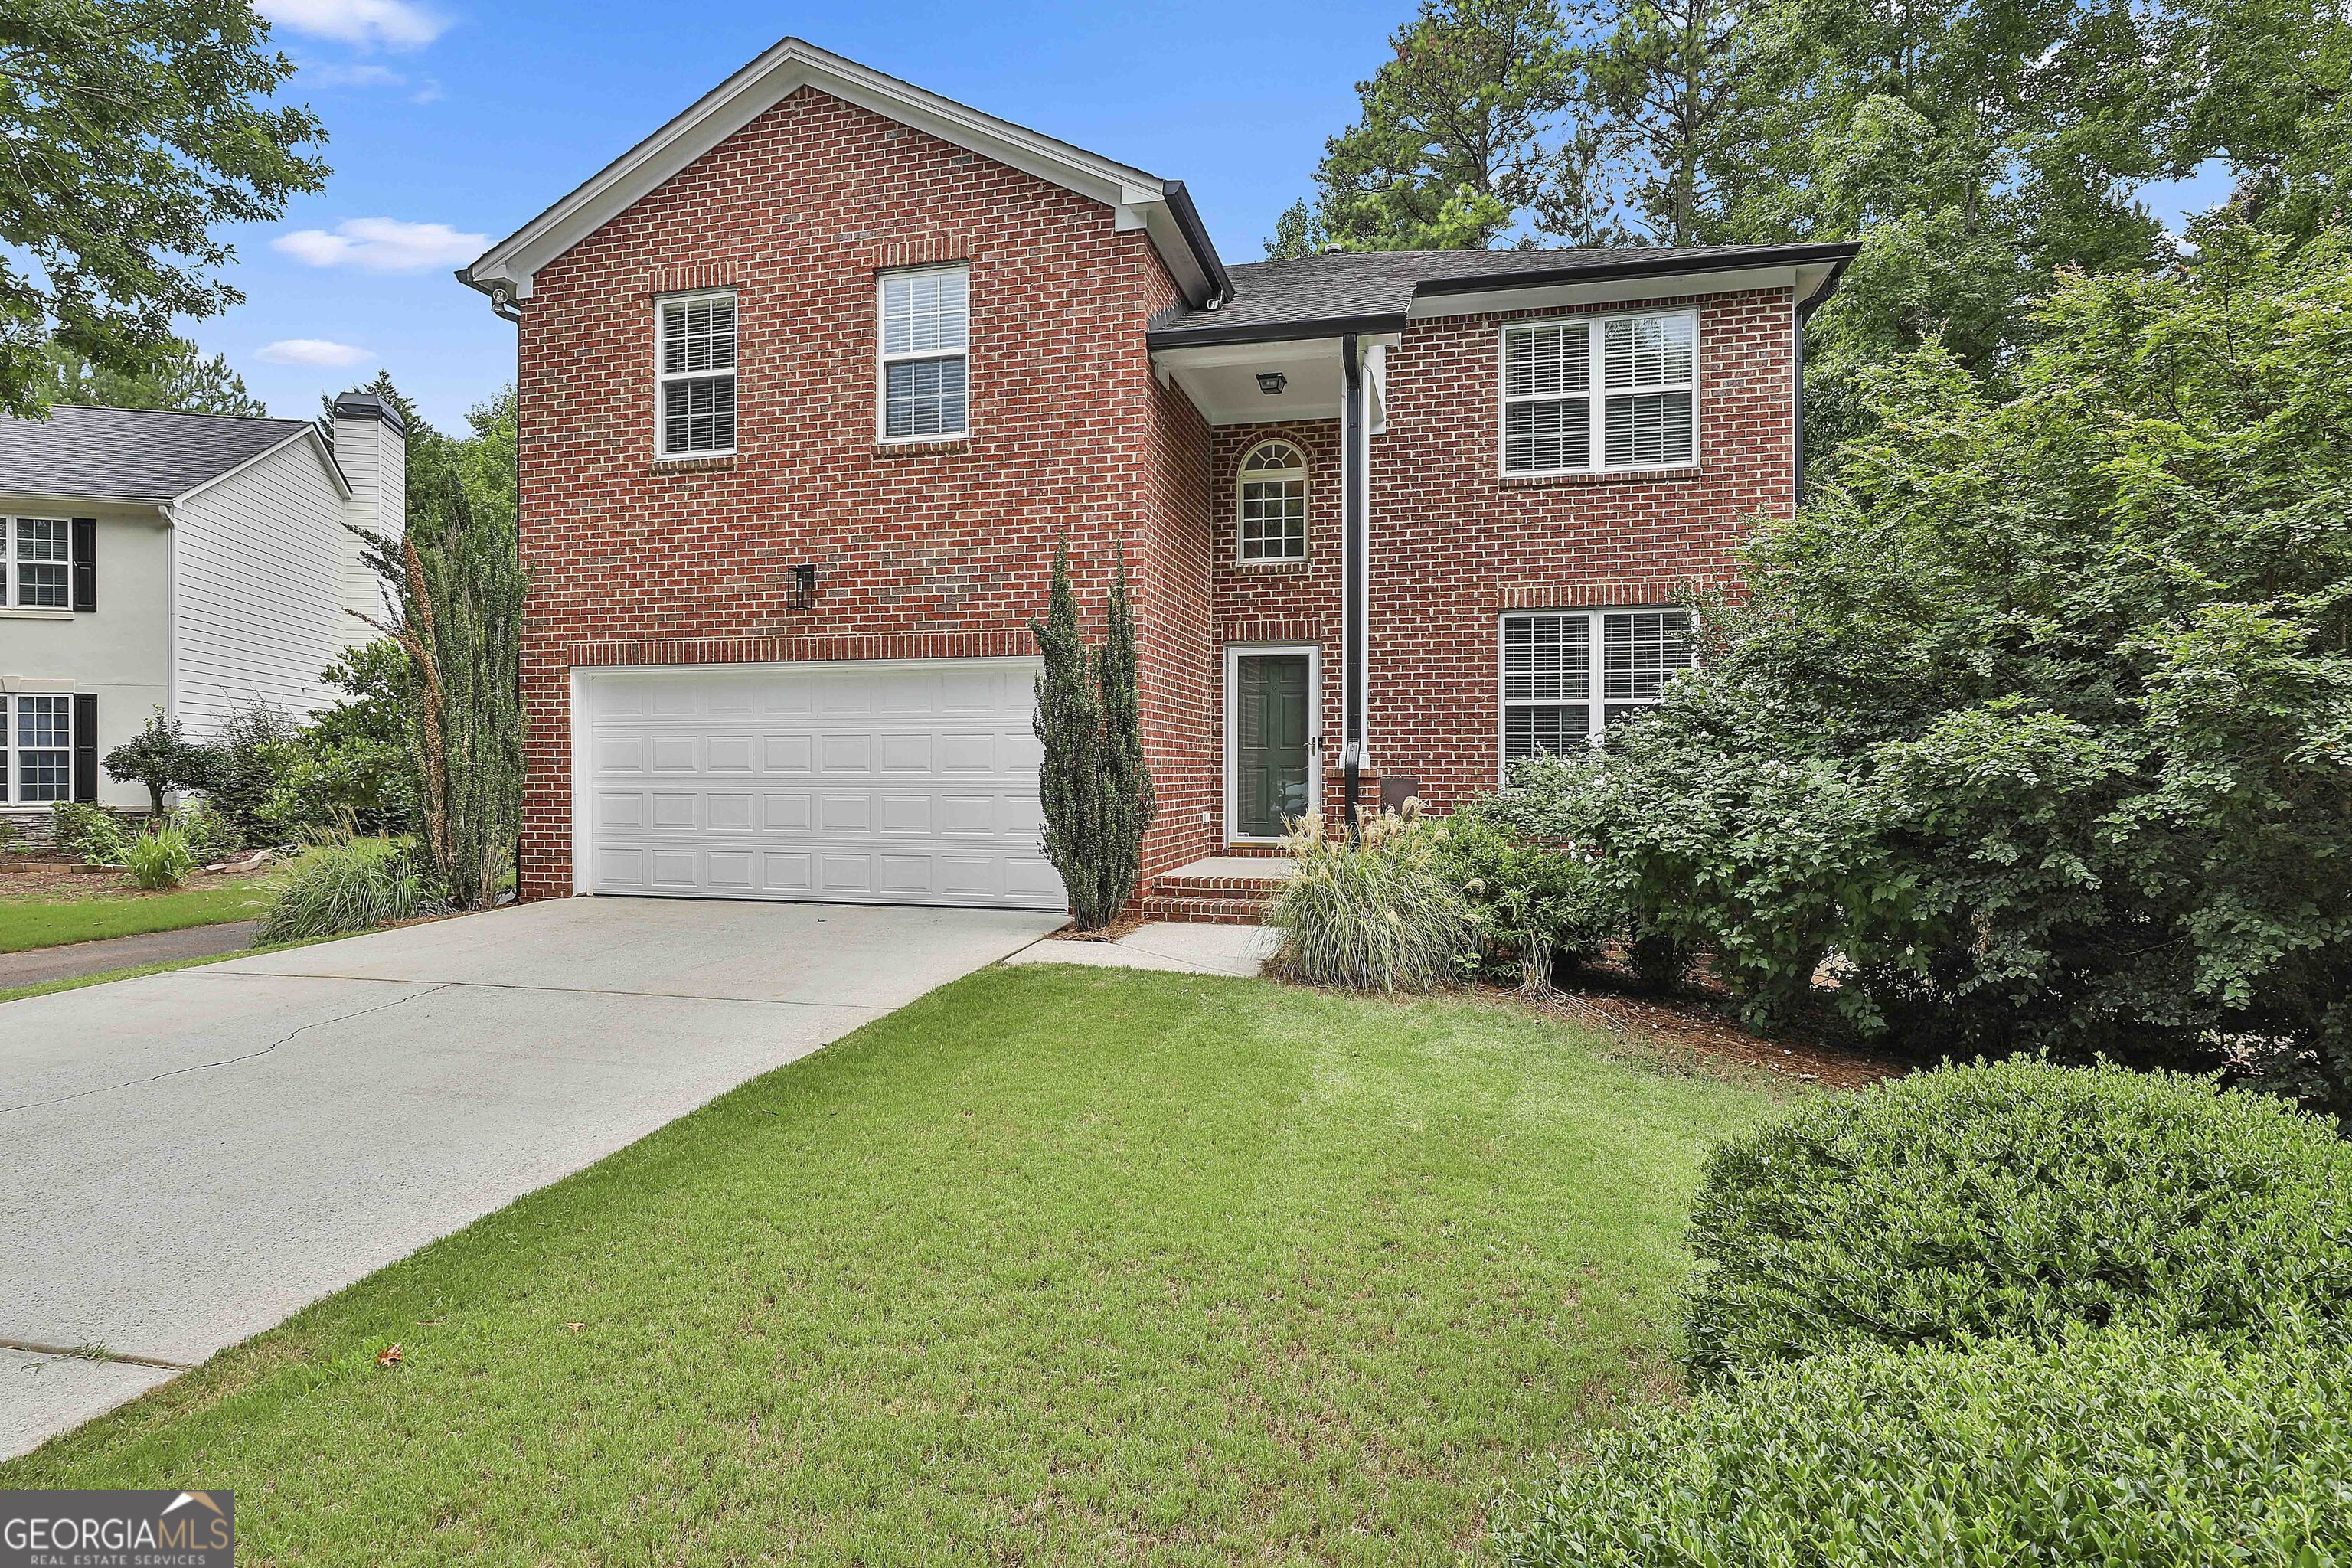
pixel 187 1159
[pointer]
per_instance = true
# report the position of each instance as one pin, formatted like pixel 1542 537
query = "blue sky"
pixel 452 121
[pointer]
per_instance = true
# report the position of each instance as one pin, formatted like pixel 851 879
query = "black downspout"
pixel 1351 745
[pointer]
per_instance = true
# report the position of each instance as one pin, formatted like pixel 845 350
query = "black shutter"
pixel 85 563
pixel 85 746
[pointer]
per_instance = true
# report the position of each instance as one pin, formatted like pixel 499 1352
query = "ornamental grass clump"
pixel 2021 1200
pixel 2113 1446
pixel 159 858
pixel 1373 911
pixel 336 888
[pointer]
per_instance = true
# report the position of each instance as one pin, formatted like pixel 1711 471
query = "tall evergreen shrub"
pixel 1094 788
pixel 457 585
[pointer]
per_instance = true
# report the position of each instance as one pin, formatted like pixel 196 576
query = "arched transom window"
pixel 1274 502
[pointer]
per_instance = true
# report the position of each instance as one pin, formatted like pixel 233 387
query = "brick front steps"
pixel 1223 890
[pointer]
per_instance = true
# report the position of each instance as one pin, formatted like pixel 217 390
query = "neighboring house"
pixel 814 377
pixel 189 562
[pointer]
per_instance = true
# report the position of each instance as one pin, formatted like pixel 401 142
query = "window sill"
pixel 720 464
pixel 1601 477
pixel 1299 564
pixel 921 445
pixel 15 614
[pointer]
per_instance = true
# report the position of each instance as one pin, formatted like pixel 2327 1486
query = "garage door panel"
pixel 912 782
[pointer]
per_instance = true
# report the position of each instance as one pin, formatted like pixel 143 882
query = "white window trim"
pixel 884 360
pixel 662 378
pixel 1243 479
pixel 11 582
pixel 1234 652
pixel 1595 700
pixel 1597 396
pixel 11 786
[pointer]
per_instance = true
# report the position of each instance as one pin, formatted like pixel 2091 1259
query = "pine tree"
pixel 1096 790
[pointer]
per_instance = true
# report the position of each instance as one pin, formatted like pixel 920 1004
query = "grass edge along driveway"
pixel 36 919
pixel 1056 1265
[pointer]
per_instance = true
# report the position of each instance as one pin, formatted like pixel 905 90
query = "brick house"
pixel 813 379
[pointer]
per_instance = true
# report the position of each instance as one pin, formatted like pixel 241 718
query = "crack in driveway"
pixel 231 1061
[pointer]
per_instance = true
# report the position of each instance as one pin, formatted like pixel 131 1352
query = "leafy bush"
pixel 251 758
pixel 335 888
pixel 210 836
pixel 2016 1200
pixel 2111 1447
pixel 2036 726
pixel 1371 912
pixel 350 765
pixel 89 834
pixel 159 857
pixel 1533 901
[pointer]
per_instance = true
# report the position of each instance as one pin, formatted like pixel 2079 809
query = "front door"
pixel 1272 740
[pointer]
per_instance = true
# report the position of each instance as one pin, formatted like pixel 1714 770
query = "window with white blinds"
pixel 695 373
pixel 1613 392
pixel 925 319
pixel 1567 675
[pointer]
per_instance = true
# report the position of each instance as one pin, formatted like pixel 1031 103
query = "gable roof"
pixel 132 454
pixel 1377 290
pixel 1158 207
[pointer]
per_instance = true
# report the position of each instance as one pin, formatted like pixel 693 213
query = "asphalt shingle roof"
pixel 127 454
pixel 1352 285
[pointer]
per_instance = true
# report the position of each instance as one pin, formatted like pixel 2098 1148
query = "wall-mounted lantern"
pixel 800 587
pixel 1272 382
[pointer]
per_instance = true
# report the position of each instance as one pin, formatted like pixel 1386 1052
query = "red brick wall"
pixel 1453 544
pixel 933 548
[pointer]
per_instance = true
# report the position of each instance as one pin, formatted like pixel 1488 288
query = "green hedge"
pixel 2014 1200
pixel 2111 1447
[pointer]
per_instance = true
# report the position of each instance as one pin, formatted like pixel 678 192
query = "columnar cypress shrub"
pixel 457 585
pixel 1096 790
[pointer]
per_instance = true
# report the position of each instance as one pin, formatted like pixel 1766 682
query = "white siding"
pixel 260 561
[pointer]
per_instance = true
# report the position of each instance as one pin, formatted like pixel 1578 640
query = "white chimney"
pixel 372 448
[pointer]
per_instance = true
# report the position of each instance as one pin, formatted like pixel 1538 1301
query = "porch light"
pixel 801 593
pixel 1272 382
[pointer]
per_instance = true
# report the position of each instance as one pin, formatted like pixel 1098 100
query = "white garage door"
pixel 910 782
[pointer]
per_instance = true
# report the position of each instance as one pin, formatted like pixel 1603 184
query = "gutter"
pixel 1196 240
pixel 1353 484
pixel 1367 326
pixel 1637 265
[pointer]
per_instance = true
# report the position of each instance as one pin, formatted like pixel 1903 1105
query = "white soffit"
pixel 1221 379
pixel 1140 198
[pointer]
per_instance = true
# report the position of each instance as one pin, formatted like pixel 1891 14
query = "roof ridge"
pixel 183 412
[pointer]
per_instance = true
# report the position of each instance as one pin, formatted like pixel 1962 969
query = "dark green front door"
pixel 1273 742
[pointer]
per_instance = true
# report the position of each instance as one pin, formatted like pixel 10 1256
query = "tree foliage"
pixel 2040 723
pixel 1095 792
pixel 163 758
pixel 183 379
pixel 133 129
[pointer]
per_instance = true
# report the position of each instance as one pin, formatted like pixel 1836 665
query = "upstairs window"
pixel 695 359
pixel 1567 675
pixel 1273 508
pixel 926 319
pixel 1615 392
pixel 36 562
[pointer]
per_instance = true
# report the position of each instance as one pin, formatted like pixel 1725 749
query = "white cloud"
pixel 395 23
pixel 349 76
pixel 313 350
pixel 382 245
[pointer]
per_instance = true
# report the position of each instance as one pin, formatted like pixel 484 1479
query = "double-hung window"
pixel 926 348
pixel 37 562
pixel 41 749
pixel 1609 391
pixel 695 367
pixel 1568 674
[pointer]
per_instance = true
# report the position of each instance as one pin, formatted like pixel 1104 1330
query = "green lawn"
pixel 101 904
pixel 1056 1266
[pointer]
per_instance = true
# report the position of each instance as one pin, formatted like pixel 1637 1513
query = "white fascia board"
pixel 318 446
pixel 1615 291
pixel 769 81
